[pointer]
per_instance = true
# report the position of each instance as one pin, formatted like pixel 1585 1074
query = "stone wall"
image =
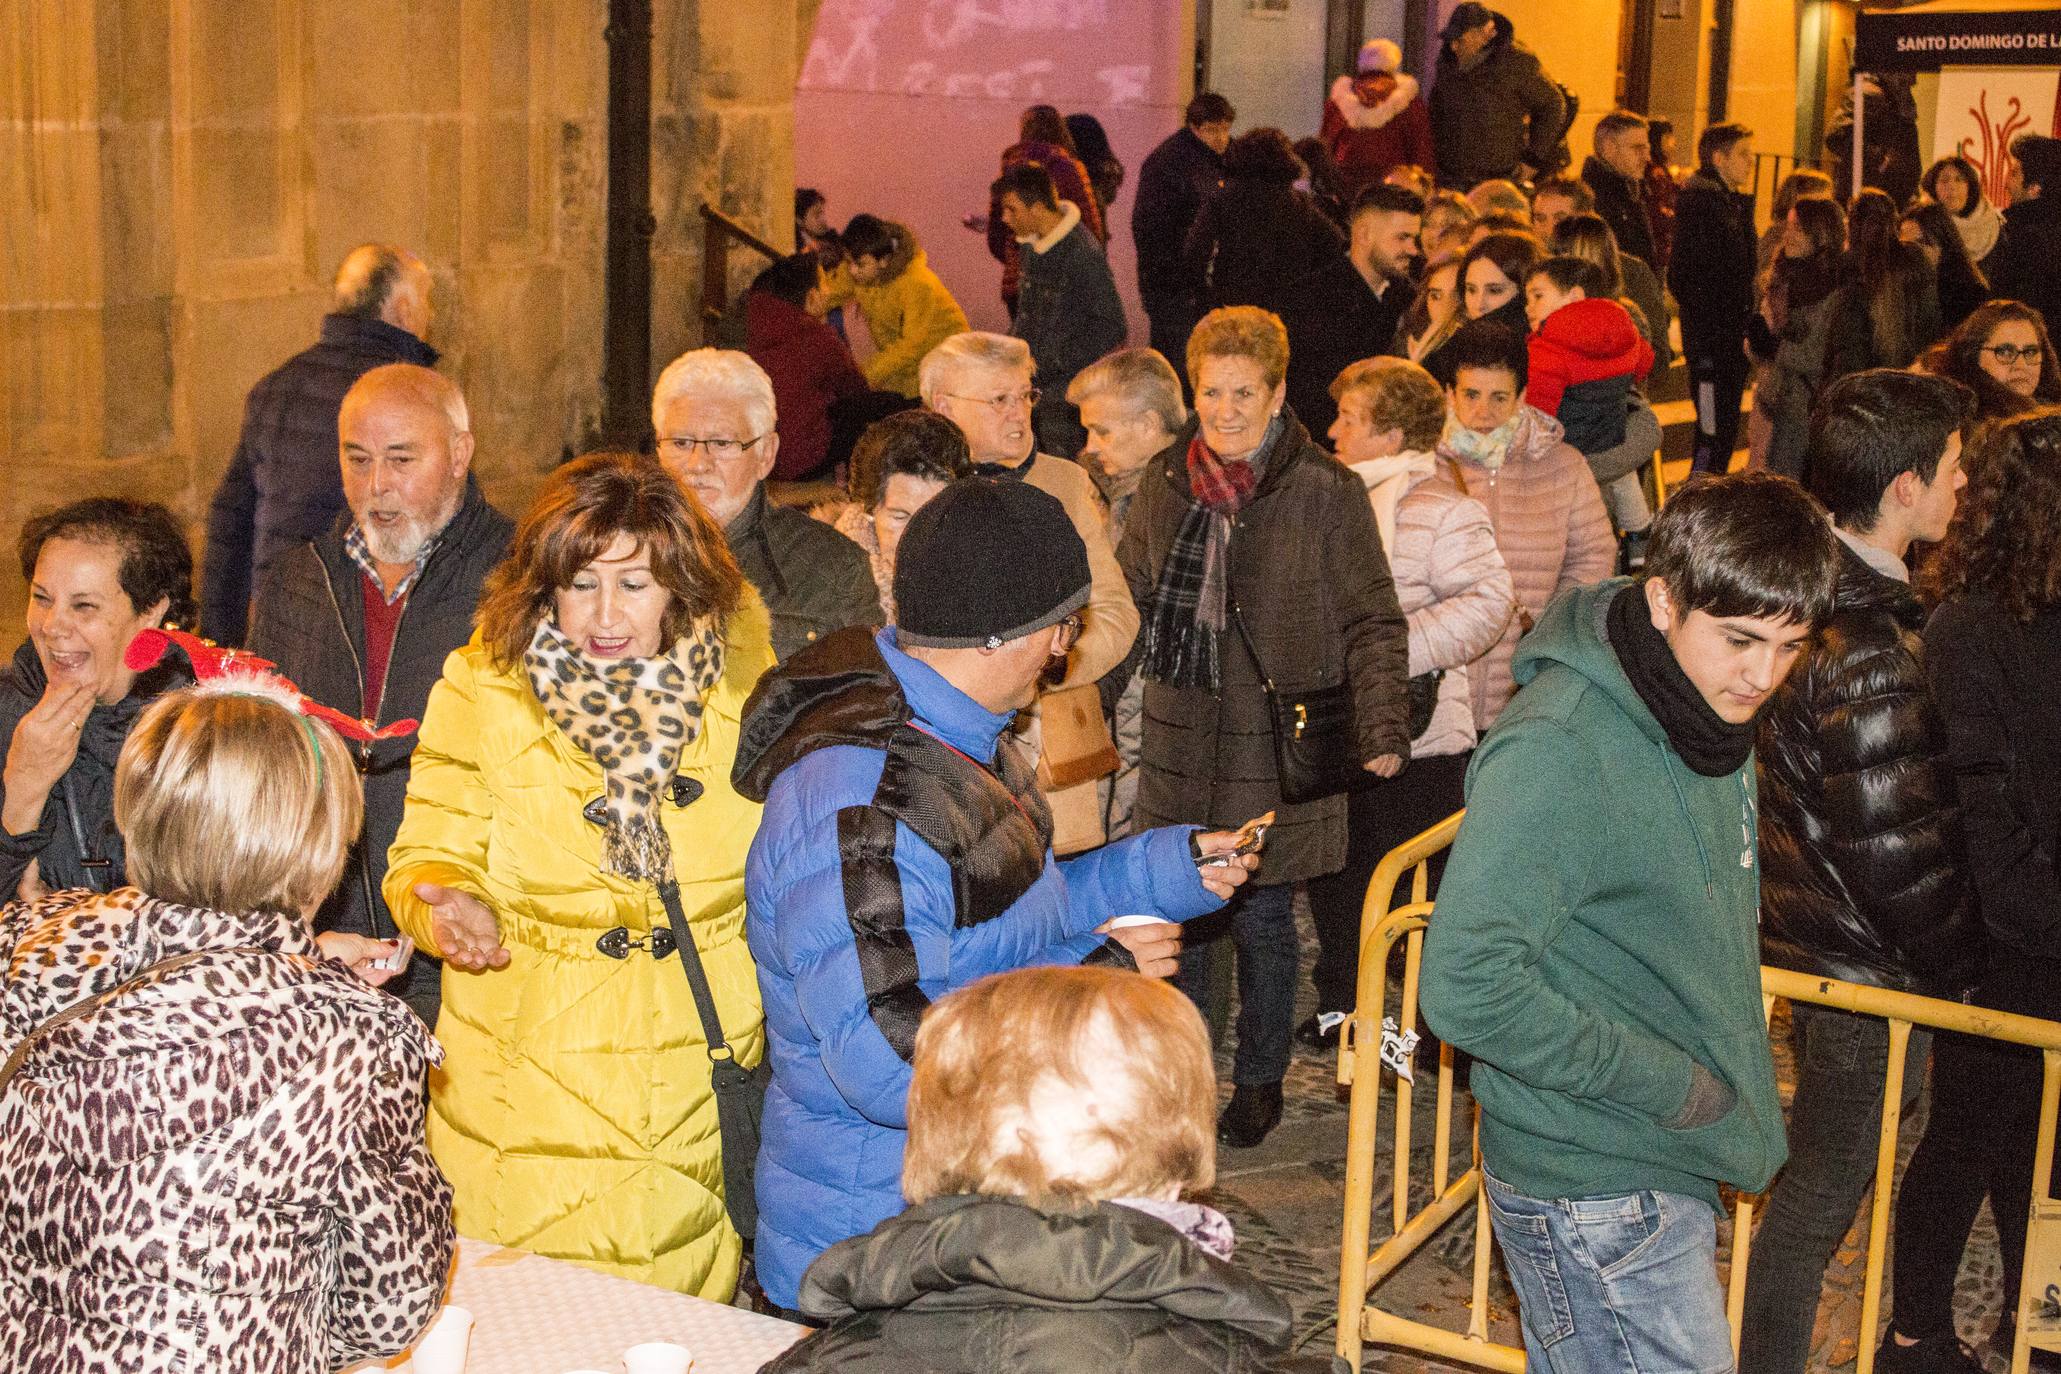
pixel 179 178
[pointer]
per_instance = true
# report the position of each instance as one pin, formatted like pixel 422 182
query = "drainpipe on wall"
pixel 626 268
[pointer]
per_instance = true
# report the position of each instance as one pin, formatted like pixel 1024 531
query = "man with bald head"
pixel 281 488
pixel 362 616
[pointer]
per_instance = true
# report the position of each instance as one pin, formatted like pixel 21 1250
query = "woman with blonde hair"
pixel 570 822
pixel 1255 563
pixel 211 1133
pixel 1049 1198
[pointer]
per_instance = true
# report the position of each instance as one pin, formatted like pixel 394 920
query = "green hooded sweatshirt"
pixel 1597 930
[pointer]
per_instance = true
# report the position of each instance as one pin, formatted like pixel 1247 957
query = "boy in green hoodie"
pixel 1596 944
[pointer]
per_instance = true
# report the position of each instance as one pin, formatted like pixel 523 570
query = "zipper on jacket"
pixel 364 749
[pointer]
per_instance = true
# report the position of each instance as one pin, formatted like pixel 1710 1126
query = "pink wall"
pixel 904 107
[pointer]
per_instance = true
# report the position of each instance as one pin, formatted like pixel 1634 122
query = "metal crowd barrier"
pixel 1362 1270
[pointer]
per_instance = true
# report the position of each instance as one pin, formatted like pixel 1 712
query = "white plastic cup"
pixel 657 1357
pixel 1126 922
pixel 442 1348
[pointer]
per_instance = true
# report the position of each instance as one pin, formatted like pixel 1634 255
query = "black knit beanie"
pixel 985 561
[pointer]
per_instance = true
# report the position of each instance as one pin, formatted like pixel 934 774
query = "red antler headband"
pixel 212 662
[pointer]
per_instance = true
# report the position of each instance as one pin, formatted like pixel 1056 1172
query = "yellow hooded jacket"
pixel 909 311
pixel 573 1114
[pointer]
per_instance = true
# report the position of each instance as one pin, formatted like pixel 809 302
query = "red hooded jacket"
pixel 810 367
pixel 1583 341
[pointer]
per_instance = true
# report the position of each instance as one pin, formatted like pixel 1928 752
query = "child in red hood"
pixel 1585 353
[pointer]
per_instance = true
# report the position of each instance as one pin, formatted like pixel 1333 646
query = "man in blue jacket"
pixel 905 851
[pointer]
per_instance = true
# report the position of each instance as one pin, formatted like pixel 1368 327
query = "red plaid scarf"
pixel 1223 487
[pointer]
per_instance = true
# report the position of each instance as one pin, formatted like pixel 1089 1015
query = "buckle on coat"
pixel 618 943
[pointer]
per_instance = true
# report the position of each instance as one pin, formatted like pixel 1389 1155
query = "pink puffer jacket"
pixel 1552 531
pixel 222 1167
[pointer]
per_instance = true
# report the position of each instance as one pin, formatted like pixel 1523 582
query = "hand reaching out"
pixel 466 932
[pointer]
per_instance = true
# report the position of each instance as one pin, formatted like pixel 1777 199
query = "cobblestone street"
pixel 1287 1199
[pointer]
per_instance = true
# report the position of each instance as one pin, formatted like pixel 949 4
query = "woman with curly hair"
pixel 1259 233
pixel 2002 353
pixel 1992 656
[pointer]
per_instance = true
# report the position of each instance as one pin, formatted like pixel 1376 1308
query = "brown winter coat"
pixel 1312 584
pixel 222 1168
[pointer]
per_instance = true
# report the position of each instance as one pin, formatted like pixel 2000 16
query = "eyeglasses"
pixel 722 450
pixel 1002 405
pixel 1069 633
pixel 2008 354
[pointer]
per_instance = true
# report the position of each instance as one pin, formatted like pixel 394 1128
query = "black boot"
pixel 1255 1110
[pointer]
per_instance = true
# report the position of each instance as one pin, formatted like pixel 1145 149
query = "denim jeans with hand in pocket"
pixel 1614 1285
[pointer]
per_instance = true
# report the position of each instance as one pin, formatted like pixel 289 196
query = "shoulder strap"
pixel 697 976
pixel 86 1007
pixel 1238 619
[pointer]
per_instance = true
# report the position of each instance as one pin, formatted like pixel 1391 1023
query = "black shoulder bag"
pixel 740 1092
pixel 1316 743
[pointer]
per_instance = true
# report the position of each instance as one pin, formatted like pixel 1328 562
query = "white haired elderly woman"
pixel 1131 407
pixel 1051 1224
pixel 211 1137
pixel 1456 593
pixel 718 436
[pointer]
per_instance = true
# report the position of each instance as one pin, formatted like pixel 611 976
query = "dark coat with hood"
pixel 1257 237
pixel 1311 583
pixel 283 486
pixel 812 579
pixel 1494 112
pixel 982 1283
pixel 78 819
pixel 1177 179
pixel 1860 836
pixel 810 367
pixel 309 618
pixel 1712 267
pixel 222 1166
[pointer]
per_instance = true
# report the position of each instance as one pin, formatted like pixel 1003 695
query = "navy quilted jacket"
pixel 284 485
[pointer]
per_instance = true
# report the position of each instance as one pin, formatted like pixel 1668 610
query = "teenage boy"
pixel 1601 960
pixel 1862 878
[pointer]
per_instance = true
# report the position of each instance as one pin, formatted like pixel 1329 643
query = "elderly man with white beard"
pixel 363 617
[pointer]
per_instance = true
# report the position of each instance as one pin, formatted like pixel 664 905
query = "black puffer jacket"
pixel 985 1283
pixel 1860 844
pixel 81 806
pixel 309 618
pixel 1254 240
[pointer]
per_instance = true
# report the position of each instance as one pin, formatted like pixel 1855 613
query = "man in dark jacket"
pixel 363 617
pixel 905 851
pixel 281 488
pixel 1861 874
pixel 2021 266
pixel 715 415
pixel 1494 111
pixel 1601 961
pixel 1184 171
pixel 1711 270
pixel 1348 311
pixel 1067 308
pixel 1616 173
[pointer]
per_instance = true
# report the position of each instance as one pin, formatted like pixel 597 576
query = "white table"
pixel 533 1315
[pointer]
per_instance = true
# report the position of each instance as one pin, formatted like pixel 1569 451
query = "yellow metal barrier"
pixel 1362 1270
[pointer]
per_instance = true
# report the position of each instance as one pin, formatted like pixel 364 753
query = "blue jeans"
pixel 1263 930
pixel 1833 1126
pixel 1614 1285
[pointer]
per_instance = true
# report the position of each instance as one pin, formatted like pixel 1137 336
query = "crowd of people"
pixel 1097 656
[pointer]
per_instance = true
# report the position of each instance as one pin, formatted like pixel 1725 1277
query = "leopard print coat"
pixel 222 1169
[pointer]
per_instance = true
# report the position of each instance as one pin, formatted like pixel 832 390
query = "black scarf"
pixel 1707 742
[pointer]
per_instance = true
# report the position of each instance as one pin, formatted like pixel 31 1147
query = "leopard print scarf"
pixel 632 716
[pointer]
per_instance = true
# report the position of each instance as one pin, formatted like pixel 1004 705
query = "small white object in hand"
pixel 1396 1048
pixel 657 1357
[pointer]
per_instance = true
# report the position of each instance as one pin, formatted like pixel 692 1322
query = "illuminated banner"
pixel 1927 42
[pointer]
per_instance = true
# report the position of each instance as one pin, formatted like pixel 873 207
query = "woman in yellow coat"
pixel 576 750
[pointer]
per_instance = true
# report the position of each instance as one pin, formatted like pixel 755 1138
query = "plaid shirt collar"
pixel 355 546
